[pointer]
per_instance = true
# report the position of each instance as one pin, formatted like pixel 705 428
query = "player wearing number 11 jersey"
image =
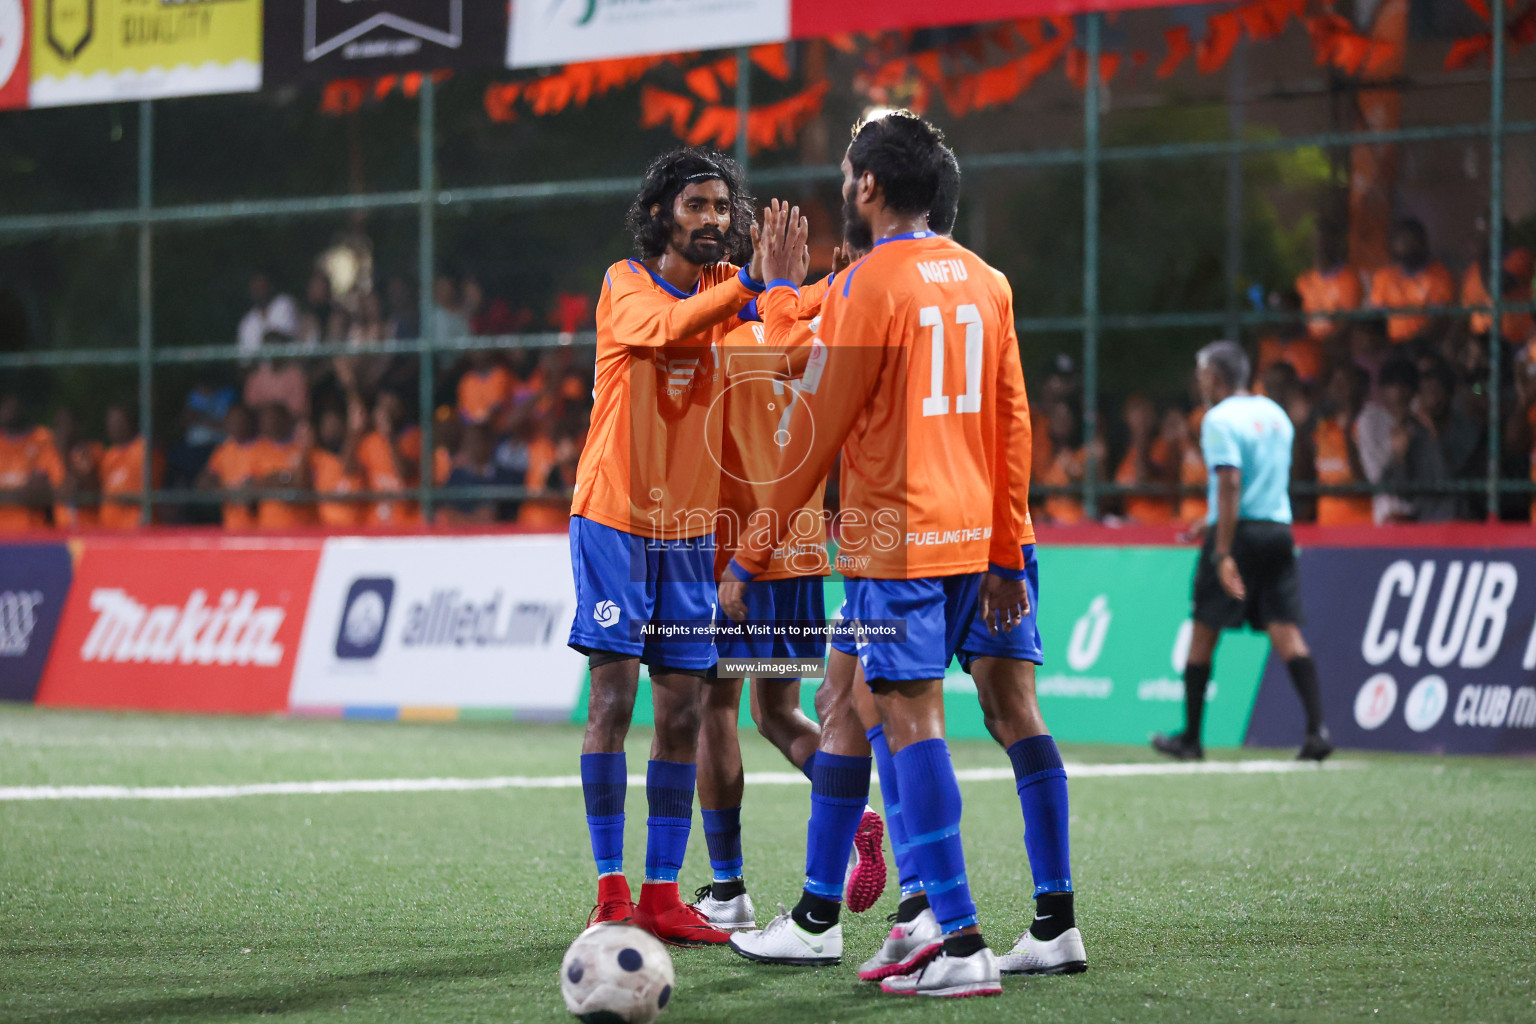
pixel 923 392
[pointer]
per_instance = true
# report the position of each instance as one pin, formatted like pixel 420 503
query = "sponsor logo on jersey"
pixel 606 613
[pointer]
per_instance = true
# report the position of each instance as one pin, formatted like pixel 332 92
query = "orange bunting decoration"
pixel 1179 47
pixel 772 59
pixel 1222 31
pixel 659 107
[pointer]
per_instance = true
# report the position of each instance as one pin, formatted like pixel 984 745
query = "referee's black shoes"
pixel 1317 746
pixel 1179 747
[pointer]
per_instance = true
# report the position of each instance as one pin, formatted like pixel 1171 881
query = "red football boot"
pixel 866 879
pixel 613 902
pixel 662 912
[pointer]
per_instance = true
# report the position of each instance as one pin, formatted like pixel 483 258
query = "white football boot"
pixel 951 977
pixel 785 942
pixel 1062 955
pixel 732 915
pixel 908 947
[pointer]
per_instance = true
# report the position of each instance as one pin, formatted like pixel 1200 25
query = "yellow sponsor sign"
pixel 97 51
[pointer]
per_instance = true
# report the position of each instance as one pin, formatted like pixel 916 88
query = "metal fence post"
pixel 743 103
pixel 428 330
pixel 1091 266
pixel 1236 80
pixel 146 307
pixel 1495 252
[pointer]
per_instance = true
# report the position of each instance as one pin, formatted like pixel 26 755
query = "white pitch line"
pixel 1076 771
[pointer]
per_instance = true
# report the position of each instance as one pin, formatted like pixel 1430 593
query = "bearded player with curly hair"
pixel 642 520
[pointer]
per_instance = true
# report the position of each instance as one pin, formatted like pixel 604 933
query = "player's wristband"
pixel 1004 572
pixel 737 571
pixel 784 282
pixel 755 287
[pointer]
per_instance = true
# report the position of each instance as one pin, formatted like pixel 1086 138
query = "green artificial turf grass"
pixel 1404 889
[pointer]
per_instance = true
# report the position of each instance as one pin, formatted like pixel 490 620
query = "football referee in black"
pixel 1247 569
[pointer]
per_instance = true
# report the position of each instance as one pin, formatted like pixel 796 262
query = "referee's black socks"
pixel 1303 672
pixel 1196 677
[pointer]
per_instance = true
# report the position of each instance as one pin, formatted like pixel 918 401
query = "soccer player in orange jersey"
pixel 922 390
pixel 642 519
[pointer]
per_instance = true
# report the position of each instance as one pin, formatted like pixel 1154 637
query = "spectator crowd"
pixel 1387 387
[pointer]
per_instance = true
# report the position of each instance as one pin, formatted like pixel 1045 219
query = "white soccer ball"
pixel 615 974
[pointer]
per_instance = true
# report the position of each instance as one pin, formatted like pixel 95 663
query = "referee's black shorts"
pixel 1265 554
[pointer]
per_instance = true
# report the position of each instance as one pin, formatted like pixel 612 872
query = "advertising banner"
pixel 1430 649
pixel 446 622
pixel 560 31
pixel 182 626
pixel 1115 626
pixel 98 51
pixel 320 40
pixel 34 582
pixel 15 54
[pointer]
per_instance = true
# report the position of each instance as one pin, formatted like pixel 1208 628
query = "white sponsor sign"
pixel 463 622
pixel 547 32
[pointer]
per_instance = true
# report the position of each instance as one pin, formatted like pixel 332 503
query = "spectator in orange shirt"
pixel 1181 434
pixel 332 466
pixel 384 467
pixel 1336 453
pixel 122 471
pixel 1333 286
pixel 232 466
pixel 1067 468
pixel 1412 281
pixel 1514 280
pixel 485 389
pixel 278 463
pixel 24 488
pixel 1146 464
pixel 74 470
pixel 1292 342
pixel 549 482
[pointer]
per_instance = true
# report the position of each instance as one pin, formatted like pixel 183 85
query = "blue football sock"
pixel 1042 785
pixel 895 824
pixel 839 794
pixel 930 807
pixel 669 794
pixel 810 767
pixel 604 780
pixel 722 833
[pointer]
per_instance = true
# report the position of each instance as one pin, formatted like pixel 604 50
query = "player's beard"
pixel 856 233
pixel 699 251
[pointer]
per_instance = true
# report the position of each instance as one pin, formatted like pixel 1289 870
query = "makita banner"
pixel 440 622
pixel 34 582
pixel 547 32
pixel 1429 649
pixel 182 625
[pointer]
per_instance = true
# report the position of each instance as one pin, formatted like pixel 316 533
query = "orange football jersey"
pixel 122 473
pixel 1392 288
pixel 646 468
pixel 916 375
pixel 232 464
pixel 268 457
pixel 22 456
pixel 328 475
pixel 1323 292
pixel 764 363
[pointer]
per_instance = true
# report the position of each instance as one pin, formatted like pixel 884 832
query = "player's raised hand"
pixel 1004 603
pixel 777 255
pixel 798 233
pixel 755 265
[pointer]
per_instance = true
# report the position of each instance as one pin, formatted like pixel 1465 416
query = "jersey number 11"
pixel 937 402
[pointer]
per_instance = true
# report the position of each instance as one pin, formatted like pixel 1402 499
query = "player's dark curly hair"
pixel 946 201
pixel 906 156
pixel 666 177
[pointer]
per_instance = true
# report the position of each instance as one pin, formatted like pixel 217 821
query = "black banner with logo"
pixel 321 40
pixel 1430 649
